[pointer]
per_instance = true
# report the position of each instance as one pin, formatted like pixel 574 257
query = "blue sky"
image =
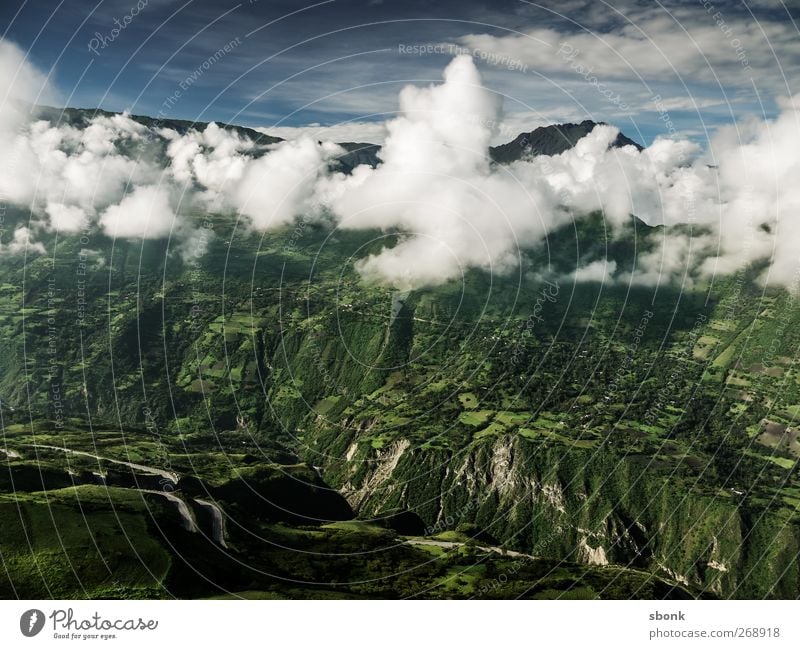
pixel 297 63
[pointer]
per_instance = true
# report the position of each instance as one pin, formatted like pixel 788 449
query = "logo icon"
pixel 31 622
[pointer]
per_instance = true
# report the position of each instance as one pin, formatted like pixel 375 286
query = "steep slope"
pixel 648 427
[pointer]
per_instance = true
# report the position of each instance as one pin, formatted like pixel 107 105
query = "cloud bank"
pixel 435 186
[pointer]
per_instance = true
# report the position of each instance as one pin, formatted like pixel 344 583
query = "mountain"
pixel 583 439
pixel 550 140
pixel 545 140
pixel 358 154
pixel 80 118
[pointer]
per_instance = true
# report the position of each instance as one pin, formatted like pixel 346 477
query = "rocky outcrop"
pixel 584 505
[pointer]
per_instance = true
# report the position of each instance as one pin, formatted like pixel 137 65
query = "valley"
pixel 264 422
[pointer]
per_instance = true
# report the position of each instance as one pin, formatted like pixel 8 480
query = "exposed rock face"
pixel 580 505
pixel 384 467
pixel 592 556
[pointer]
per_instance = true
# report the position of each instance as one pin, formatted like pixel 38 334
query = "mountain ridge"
pixel 552 140
pixel 549 140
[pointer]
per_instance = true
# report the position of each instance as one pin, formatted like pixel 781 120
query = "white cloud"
pixel 357 131
pixel 19 82
pixel 435 186
pixel 61 171
pixel 436 183
pixel 654 45
pixel 22 243
pixel 145 213
pixel 270 190
pixel 67 218
pixel 281 185
pixel 723 59
pixel 596 271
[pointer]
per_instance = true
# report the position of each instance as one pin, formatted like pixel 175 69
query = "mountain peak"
pixel 551 140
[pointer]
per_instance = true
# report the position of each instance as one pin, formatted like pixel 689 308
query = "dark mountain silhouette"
pixel 550 140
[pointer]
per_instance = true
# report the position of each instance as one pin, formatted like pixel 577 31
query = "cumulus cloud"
pixel 67 174
pixel 212 158
pixel 145 213
pixel 269 190
pixel 22 243
pixel 282 184
pixel 437 185
pixel 21 84
pixel 67 218
pixel 596 271
pixel 757 167
pixel 458 211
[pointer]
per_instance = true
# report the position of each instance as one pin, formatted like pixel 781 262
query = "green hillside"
pixel 622 440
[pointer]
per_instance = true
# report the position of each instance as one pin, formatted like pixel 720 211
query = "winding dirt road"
pixel 169 475
pixel 458 544
pixel 187 518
